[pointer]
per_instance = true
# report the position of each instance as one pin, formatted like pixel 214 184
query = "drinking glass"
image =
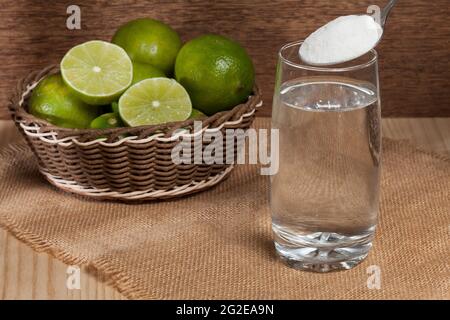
pixel 324 197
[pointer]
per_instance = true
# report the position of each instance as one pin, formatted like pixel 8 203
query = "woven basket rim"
pixel 19 113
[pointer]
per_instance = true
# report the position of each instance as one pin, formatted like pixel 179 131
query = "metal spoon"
pixel 381 20
pixel 379 17
pixel 385 12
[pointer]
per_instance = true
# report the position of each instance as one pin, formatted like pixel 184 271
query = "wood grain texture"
pixel 28 275
pixel 25 274
pixel 414 54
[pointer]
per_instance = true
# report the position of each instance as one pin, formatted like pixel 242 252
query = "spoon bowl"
pixel 351 40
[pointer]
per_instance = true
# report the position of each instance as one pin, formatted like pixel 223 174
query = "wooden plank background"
pixel 414 54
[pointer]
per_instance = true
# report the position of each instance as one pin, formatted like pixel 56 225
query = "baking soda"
pixel 343 39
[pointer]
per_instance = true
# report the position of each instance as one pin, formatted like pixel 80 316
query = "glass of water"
pixel 324 197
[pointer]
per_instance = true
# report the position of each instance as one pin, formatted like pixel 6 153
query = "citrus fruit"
pixel 54 102
pixel 106 121
pixel 143 71
pixel 149 41
pixel 115 107
pixel 154 101
pixel 97 71
pixel 196 114
pixel 216 71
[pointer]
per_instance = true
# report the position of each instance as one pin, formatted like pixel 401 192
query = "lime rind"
pixel 197 114
pixel 142 71
pixel 115 107
pixel 106 121
pixel 154 101
pixel 53 101
pixel 97 71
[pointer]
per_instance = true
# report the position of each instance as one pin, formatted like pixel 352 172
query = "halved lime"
pixel 106 121
pixel 154 101
pixel 97 71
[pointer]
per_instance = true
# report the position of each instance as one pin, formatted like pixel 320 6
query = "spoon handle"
pixel 386 10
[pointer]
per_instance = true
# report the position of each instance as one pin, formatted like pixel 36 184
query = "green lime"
pixel 97 71
pixel 149 41
pixel 115 107
pixel 106 121
pixel 154 101
pixel 54 102
pixel 196 114
pixel 216 71
pixel 143 71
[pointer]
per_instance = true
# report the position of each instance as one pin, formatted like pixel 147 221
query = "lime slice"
pixel 106 121
pixel 154 101
pixel 97 71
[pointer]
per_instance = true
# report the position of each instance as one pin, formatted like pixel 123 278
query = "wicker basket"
pixel 125 163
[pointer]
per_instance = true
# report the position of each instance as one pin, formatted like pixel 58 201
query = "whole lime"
pixel 142 71
pixel 217 73
pixel 54 102
pixel 115 107
pixel 197 115
pixel 107 121
pixel 149 41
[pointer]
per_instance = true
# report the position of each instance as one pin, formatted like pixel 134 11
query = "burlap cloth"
pixel 218 244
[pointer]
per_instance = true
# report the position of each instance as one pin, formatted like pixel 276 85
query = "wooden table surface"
pixel 25 274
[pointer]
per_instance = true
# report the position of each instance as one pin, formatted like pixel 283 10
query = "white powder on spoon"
pixel 343 39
